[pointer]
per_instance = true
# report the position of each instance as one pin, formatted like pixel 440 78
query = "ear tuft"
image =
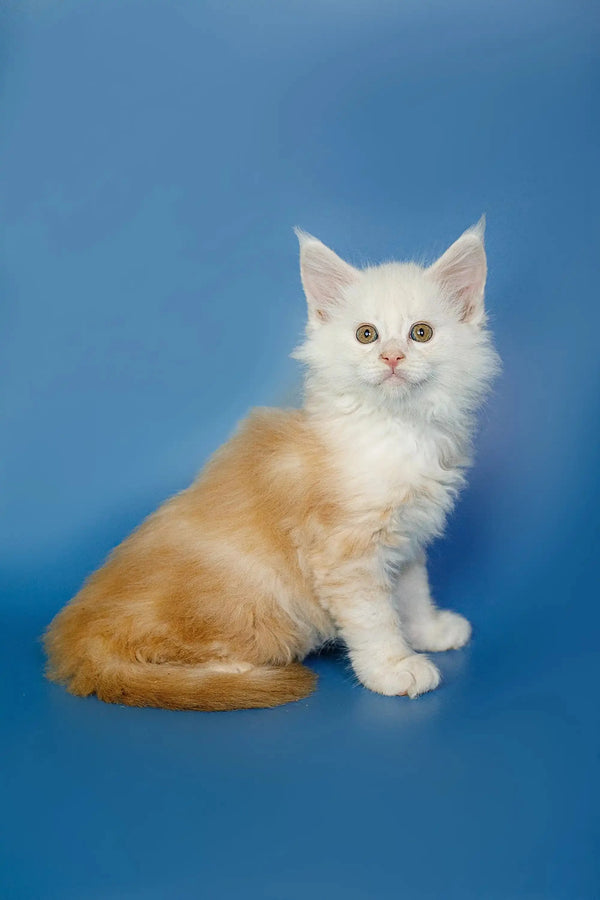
pixel 478 228
pixel 324 277
pixel 303 236
pixel 461 273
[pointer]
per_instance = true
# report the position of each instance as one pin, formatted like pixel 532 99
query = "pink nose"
pixel 392 359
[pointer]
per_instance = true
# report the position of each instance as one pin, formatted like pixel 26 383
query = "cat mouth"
pixel 393 378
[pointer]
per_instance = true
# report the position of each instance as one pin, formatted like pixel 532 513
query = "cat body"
pixel 308 525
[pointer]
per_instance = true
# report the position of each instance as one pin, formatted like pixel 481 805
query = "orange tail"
pixel 191 687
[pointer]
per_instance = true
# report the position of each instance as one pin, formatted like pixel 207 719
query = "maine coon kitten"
pixel 308 524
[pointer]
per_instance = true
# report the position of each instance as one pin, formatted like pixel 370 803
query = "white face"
pixel 397 331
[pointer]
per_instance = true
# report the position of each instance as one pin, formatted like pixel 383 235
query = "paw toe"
pixel 447 630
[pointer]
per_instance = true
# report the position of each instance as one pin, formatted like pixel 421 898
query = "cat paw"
pixel 445 630
pixel 412 675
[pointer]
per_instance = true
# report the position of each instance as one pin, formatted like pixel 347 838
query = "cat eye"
pixel 366 334
pixel 421 332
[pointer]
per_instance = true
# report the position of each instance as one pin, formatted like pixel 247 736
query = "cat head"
pixel 398 333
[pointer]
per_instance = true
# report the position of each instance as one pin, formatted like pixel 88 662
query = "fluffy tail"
pixel 191 687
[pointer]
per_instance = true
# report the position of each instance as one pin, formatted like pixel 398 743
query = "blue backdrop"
pixel 154 158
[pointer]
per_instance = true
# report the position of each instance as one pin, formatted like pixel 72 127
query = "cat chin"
pixel 398 385
pixel 395 387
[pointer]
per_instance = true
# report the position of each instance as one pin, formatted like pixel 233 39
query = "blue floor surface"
pixel 154 158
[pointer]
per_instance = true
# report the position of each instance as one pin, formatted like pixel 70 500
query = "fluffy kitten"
pixel 308 524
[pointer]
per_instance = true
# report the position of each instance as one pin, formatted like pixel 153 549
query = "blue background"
pixel 154 158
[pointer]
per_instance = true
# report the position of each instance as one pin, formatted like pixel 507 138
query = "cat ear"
pixel 461 272
pixel 324 276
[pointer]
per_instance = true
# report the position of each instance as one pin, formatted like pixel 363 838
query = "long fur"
pixel 308 524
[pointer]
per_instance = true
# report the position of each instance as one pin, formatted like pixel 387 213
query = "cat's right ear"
pixel 324 277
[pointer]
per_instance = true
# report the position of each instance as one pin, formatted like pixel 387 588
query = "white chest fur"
pixel 412 470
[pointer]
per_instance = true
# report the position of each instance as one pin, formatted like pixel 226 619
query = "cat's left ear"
pixel 324 277
pixel 461 273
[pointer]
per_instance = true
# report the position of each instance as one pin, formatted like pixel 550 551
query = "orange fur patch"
pixel 221 574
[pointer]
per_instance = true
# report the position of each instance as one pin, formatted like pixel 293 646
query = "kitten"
pixel 308 524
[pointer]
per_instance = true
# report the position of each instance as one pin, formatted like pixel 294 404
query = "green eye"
pixel 366 334
pixel 421 332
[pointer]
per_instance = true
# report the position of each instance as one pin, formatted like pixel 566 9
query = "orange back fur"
pixel 210 601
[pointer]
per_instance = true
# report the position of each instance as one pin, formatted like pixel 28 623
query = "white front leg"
pixel 357 598
pixel 426 627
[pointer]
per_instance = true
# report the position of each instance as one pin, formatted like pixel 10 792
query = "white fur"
pixel 399 443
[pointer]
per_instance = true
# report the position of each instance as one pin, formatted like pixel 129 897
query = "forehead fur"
pixel 393 294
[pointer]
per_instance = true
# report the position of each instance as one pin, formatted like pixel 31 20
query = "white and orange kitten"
pixel 311 524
